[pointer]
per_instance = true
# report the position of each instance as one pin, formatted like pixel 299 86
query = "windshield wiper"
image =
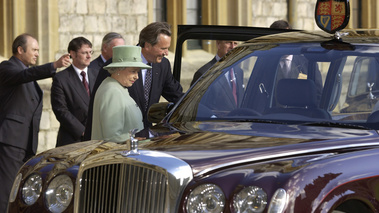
pixel 259 121
pixel 336 124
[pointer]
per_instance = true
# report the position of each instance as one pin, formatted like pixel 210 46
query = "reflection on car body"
pixel 305 142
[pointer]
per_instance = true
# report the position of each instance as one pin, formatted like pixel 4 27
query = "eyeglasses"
pixel 86 53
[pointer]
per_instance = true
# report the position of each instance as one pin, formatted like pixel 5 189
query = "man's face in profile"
pixel 155 53
pixel 224 47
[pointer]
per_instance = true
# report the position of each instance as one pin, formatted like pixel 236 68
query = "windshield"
pixel 289 83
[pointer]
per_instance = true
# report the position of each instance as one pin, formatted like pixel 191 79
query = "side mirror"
pixel 158 111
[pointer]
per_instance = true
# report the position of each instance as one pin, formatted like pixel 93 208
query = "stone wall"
pixel 265 12
pixel 94 18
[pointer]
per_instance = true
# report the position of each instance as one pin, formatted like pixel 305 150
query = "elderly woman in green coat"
pixel 115 113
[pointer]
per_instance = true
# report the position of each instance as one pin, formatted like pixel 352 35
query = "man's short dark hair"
pixel 76 43
pixel 151 32
pixel 281 24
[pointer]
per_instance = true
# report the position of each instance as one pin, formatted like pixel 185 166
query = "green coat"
pixel 115 113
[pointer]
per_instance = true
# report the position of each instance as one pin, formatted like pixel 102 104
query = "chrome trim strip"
pixel 287 154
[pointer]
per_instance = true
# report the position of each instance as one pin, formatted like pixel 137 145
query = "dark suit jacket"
pixel 21 103
pixel 163 84
pixel 202 70
pixel 298 65
pixel 97 63
pixel 219 95
pixel 70 102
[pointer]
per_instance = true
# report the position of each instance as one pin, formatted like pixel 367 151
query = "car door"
pixel 187 60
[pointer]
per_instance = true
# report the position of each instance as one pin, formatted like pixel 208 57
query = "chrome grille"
pixel 122 188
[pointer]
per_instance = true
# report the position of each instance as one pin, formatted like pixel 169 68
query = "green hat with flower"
pixel 127 56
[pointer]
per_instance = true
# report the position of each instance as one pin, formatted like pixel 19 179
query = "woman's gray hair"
pixel 112 70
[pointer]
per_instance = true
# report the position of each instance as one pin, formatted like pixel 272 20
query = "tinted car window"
pixel 325 83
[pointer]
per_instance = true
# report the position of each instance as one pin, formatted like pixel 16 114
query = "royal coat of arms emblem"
pixel 332 15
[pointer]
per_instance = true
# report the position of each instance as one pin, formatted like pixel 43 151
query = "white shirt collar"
pixel 143 59
pixel 78 71
pixel 218 57
pixel 102 57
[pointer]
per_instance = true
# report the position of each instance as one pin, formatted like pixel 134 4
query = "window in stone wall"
pixel 160 10
pixel 194 18
pixel 356 19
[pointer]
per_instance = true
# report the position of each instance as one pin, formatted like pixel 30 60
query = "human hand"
pixel 63 61
pixel 140 138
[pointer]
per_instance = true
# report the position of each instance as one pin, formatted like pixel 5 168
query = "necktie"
pixel 233 84
pixel 286 67
pixel 147 87
pixel 84 81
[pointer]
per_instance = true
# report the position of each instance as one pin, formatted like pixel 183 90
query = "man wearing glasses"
pixel 71 90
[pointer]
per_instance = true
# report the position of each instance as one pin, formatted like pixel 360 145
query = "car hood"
pixel 210 145
pixel 207 146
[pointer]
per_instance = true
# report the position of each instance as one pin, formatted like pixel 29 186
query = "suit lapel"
pixel 225 85
pixel 100 62
pixel 136 91
pixel 240 86
pixel 33 85
pixel 92 78
pixel 154 81
pixel 78 85
pixel 38 90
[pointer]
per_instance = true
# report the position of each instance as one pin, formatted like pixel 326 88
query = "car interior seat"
pixel 297 96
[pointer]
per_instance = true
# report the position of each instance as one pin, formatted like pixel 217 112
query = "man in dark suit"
pixel 296 66
pixel 21 108
pixel 110 40
pixel 154 39
pixel 221 95
pixel 291 66
pixel 223 47
pixel 70 92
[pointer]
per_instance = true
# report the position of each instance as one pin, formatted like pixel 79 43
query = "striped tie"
pixel 85 83
pixel 147 86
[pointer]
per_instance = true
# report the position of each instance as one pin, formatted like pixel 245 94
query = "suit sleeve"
pixel 202 70
pixel 61 111
pixel 11 74
pixel 172 90
pixel 196 76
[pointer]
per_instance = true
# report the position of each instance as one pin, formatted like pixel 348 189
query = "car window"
pixel 319 84
pixel 360 76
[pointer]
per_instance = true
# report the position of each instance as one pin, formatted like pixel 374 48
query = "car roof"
pixel 347 36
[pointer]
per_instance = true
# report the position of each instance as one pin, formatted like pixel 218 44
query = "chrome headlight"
pixel 59 193
pixel 16 185
pixel 250 199
pixel 31 189
pixel 278 201
pixel 206 198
